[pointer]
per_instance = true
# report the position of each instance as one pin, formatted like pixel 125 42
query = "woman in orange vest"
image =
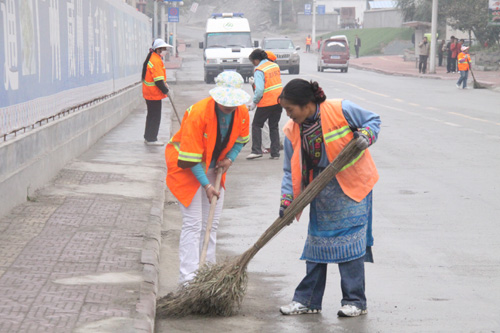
pixel 463 60
pixel 212 133
pixel 308 43
pixel 268 86
pixel 340 218
pixel 154 89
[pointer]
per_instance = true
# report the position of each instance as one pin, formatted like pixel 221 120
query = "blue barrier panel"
pixel 60 53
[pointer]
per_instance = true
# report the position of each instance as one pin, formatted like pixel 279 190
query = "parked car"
pixel 286 53
pixel 334 54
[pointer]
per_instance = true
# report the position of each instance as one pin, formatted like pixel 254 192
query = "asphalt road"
pixel 436 211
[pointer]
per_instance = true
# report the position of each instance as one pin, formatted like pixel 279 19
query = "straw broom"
pixel 218 289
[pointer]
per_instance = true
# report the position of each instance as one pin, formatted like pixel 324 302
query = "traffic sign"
pixel 173 14
pixel 320 9
pixel 307 9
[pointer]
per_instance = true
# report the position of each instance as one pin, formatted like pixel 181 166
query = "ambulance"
pixel 227 45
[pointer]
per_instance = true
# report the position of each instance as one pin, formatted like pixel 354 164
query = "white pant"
pixel 194 224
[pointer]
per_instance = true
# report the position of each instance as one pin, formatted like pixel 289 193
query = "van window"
pixel 278 44
pixel 335 46
pixel 229 39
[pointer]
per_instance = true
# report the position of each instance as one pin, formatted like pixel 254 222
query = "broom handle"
pixel 211 214
pixel 347 154
pixel 175 110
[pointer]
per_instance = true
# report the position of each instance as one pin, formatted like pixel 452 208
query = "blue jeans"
pixel 352 281
pixel 463 78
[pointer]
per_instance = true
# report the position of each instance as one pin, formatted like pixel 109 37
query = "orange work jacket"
pixel 195 142
pixel 155 72
pixel 272 83
pixel 308 40
pixel 463 61
pixel 358 177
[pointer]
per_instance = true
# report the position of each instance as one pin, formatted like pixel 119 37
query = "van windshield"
pixel 278 44
pixel 335 46
pixel 229 39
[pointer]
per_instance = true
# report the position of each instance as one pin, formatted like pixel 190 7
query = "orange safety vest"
pixel 463 61
pixel 358 177
pixel 195 142
pixel 308 40
pixel 155 72
pixel 272 83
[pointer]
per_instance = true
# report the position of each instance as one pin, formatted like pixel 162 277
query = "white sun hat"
pixel 228 90
pixel 159 43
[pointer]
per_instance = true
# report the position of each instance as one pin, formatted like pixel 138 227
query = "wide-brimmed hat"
pixel 159 43
pixel 228 90
pixel 464 48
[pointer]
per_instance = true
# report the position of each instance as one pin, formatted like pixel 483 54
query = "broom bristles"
pixel 218 289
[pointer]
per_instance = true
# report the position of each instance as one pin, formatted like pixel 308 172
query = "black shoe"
pixel 274 157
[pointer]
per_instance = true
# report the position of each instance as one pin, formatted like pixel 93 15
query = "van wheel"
pixel 321 69
pixel 208 78
pixel 345 70
pixel 294 70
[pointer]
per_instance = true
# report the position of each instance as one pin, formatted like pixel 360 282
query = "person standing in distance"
pixel 154 89
pixel 424 48
pixel 357 45
pixel 268 86
pixel 463 66
pixel 340 217
pixel 212 133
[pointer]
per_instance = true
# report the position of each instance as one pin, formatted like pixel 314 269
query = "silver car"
pixel 286 53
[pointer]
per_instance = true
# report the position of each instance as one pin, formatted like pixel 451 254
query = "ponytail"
pixel 145 65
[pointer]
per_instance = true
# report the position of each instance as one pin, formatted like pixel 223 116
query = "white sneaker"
pixel 297 308
pixel 252 156
pixel 154 143
pixel 351 311
pixel 458 86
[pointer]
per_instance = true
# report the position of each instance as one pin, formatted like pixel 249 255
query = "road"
pixel 436 212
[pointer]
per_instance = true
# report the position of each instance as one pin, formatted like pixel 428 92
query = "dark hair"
pixel 301 92
pixel 258 54
pixel 145 65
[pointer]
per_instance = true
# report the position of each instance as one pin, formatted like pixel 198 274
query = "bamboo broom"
pixel 218 289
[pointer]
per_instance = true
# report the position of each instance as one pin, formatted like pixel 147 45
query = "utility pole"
pixel 280 12
pixel 432 67
pixel 313 24
pixel 155 20
pixel 162 21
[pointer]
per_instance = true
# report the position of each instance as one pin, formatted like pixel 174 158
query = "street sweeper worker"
pixel 340 218
pixel 212 133
pixel 463 60
pixel 154 89
pixel 268 86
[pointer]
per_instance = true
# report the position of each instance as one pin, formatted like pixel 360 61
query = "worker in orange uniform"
pixel 463 60
pixel 154 89
pixel 212 133
pixel 308 43
pixel 268 86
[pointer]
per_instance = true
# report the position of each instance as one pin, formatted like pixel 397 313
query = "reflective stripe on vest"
pixel 272 83
pixel 202 119
pixel 356 178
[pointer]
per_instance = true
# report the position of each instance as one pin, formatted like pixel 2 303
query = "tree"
pixel 466 15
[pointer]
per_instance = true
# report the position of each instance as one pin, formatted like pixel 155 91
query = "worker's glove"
pixel 252 106
pixel 286 200
pixel 251 80
pixel 365 138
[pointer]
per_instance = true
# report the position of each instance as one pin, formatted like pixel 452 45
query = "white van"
pixel 227 45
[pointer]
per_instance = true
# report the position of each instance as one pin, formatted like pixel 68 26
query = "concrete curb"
pixel 487 85
pixel 150 258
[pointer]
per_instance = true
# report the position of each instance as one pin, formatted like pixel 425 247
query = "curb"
pixel 487 85
pixel 150 258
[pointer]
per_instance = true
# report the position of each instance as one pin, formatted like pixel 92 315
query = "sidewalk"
pixel 395 65
pixel 82 254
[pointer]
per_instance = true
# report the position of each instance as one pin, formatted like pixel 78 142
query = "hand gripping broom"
pixel 218 289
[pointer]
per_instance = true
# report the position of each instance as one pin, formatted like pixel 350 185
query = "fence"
pixel 58 54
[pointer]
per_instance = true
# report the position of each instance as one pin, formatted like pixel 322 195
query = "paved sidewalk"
pixel 395 65
pixel 82 254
